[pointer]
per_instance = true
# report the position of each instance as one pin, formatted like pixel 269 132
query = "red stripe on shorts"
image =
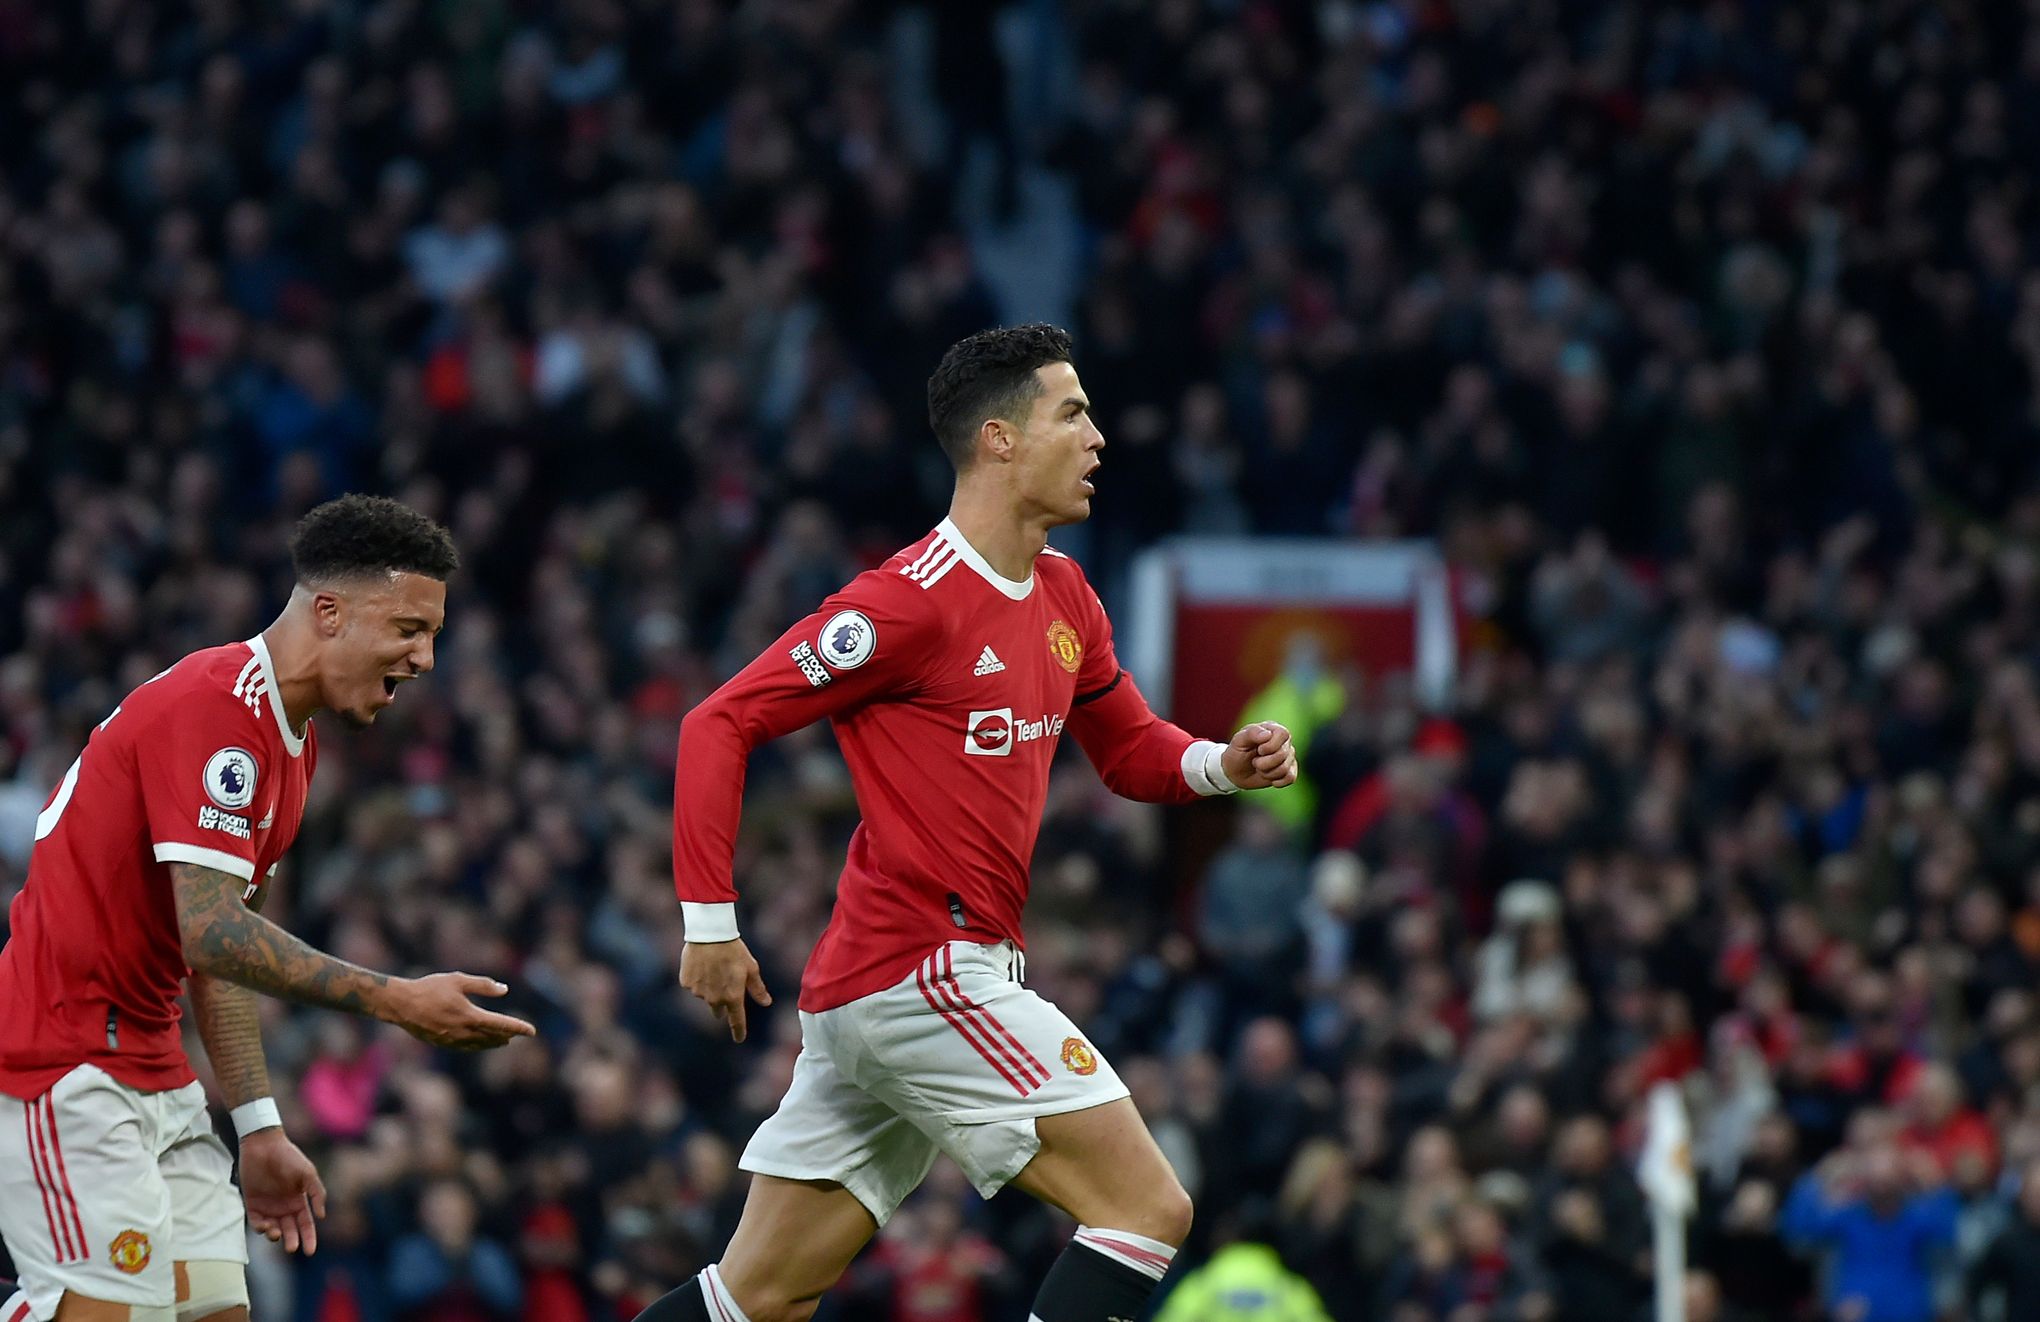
pixel 970 1006
pixel 19 1314
pixel 963 1030
pixel 57 1150
pixel 1009 1051
pixel 38 1160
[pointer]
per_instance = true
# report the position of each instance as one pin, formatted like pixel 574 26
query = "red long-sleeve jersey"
pixel 949 687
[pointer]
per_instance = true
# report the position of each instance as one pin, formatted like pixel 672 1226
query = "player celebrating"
pixel 949 673
pixel 152 859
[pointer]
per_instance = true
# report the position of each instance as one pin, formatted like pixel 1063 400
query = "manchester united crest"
pixel 129 1251
pixel 1065 646
pixel 1077 1056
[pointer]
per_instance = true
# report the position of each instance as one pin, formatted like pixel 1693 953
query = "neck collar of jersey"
pixel 292 740
pixel 1017 589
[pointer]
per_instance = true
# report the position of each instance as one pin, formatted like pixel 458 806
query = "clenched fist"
pixel 1260 757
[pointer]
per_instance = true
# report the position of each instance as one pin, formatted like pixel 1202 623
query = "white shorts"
pixel 956 1057
pixel 104 1187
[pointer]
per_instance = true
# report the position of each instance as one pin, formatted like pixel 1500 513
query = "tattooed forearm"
pixel 229 1025
pixel 226 939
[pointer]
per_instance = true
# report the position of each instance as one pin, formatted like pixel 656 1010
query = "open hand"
pixel 282 1189
pixel 1260 757
pixel 436 1009
pixel 723 973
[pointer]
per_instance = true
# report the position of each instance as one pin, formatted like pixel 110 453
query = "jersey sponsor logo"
pixel 1065 646
pixel 1077 1056
pixel 212 819
pixel 230 778
pixel 129 1252
pixel 803 654
pixel 847 640
pixel 988 663
pixel 993 733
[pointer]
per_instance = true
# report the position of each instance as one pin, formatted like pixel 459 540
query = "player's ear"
pixel 328 612
pixel 997 438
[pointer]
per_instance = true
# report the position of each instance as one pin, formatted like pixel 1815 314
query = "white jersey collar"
pixel 292 740
pixel 1017 589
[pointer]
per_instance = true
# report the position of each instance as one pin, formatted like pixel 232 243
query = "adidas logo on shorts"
pixel 988 663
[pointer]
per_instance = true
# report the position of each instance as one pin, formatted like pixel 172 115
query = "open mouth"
pixel 1085 480
pixel 389 685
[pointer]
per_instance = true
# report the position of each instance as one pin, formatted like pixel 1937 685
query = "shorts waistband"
pixel 1009 959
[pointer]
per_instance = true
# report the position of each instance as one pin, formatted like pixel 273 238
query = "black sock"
pixel 685 1304
pixel 1086 1286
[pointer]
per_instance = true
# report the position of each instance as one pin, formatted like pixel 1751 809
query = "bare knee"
pixel 762 1301
pixel 1170 1215
pixel 767 1295
pixel 1163 1213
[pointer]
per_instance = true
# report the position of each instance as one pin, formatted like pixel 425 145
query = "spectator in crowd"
pixel 2005 1281
pixel 444 1270
pixel 1884 1217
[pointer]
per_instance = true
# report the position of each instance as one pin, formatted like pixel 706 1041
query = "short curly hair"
pixel 989 375
pixel 356 536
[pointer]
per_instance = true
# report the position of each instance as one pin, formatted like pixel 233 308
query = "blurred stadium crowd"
pixel 1701 337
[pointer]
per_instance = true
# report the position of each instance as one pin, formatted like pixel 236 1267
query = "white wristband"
pixel 1204 769
pixel 258 1114
pixel 709 922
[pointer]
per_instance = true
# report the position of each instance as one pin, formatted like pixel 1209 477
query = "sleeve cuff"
pixel 1204 769
pixel 217 859
pixel 709 922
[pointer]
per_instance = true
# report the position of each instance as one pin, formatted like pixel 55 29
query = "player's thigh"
pixel 795 1239
pixel 976 1060
pixel 83 1205
pixel 831 1165
pixel 212 1290
pixel 1104 1168
pixel 208 1218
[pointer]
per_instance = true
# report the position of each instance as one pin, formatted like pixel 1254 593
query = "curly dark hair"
pixel 989 375
pixel 359 535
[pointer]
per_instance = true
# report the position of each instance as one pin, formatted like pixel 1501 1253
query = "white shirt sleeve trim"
pixel 217 859
pixel 1204 769
pixel 709 922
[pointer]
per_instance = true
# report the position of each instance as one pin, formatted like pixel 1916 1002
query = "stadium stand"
pixel 1702 338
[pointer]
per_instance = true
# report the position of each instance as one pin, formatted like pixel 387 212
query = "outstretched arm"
pixel 224 939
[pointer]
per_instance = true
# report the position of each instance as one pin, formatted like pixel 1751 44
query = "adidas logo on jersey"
pixel 988 663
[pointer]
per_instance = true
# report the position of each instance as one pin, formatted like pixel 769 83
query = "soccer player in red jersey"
pixel 151 863
pixel 949 672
